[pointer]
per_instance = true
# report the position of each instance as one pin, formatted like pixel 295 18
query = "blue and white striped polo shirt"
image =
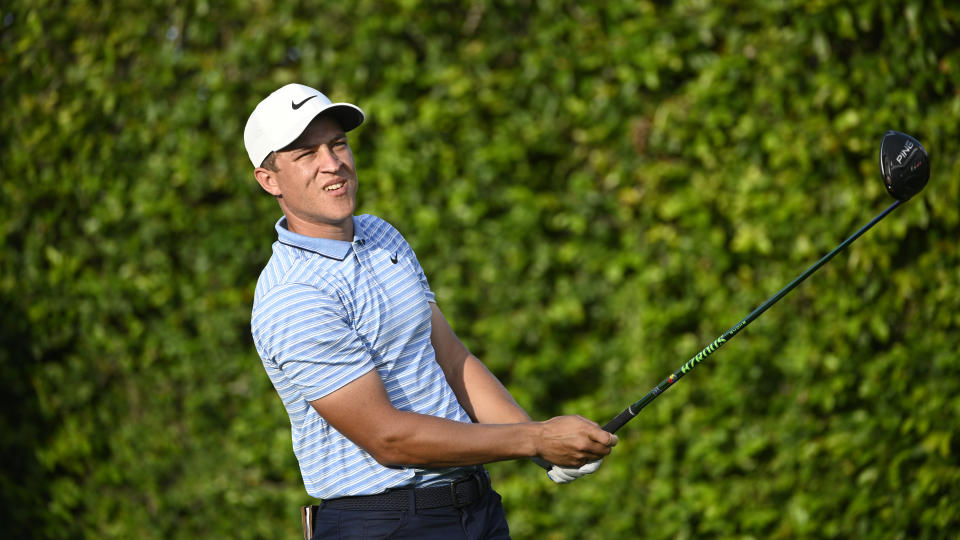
pixel 326 312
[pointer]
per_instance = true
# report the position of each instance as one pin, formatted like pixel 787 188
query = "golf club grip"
pixel 618 421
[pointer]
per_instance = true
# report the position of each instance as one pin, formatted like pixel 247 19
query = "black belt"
pixel 458 494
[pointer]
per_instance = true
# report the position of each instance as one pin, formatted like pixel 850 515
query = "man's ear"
pixel 268 181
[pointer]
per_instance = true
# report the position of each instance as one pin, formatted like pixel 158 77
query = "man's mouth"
pixel 334 187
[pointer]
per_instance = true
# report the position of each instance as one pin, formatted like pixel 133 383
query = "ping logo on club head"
pixel 904 152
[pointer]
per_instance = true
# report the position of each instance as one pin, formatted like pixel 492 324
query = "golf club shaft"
pixel 613 425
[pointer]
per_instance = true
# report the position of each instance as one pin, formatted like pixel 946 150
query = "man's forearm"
pixel 479 392
pixel 411 439
pixel 484 397
pixel 426 441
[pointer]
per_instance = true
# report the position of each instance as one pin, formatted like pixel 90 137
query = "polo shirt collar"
pixel 334 249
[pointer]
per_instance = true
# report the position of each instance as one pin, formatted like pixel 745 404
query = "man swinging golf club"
pixel 391 416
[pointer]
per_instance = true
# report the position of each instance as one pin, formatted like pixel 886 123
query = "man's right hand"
pixel 573 441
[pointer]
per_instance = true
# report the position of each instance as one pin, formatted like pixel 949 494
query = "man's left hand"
pixel 564 475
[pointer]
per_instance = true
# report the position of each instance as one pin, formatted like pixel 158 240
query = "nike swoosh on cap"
pixel 298 105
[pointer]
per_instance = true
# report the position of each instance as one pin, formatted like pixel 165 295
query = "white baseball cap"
pixel 280 118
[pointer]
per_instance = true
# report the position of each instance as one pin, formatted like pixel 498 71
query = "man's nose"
pixel 329 161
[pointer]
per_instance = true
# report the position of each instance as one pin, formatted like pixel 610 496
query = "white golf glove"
pixel 563 475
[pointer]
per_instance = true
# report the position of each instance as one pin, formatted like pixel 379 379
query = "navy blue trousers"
pixel 483 519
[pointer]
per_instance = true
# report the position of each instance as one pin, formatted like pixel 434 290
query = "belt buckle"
pixel 453 491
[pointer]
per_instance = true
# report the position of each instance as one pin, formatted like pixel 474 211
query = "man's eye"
pixel 305 154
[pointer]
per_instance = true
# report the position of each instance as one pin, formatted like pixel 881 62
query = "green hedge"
pixel 596 193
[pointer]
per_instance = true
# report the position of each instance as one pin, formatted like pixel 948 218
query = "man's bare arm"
pixel 362 412
pixel 480 393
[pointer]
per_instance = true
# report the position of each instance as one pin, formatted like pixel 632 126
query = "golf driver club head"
pixel 904 165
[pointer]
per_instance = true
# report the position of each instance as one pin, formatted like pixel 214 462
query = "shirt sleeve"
pixel 306 333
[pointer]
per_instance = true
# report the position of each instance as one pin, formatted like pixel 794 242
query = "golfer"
pixel 392 418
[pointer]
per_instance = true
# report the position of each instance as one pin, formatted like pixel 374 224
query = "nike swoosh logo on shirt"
pixel 298 105
pixel 394 258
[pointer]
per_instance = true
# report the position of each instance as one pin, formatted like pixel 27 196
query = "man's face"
pixel 317 181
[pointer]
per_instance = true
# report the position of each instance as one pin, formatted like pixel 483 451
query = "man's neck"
pixel 333 231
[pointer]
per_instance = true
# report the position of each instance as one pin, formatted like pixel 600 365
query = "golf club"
pixel 905 168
